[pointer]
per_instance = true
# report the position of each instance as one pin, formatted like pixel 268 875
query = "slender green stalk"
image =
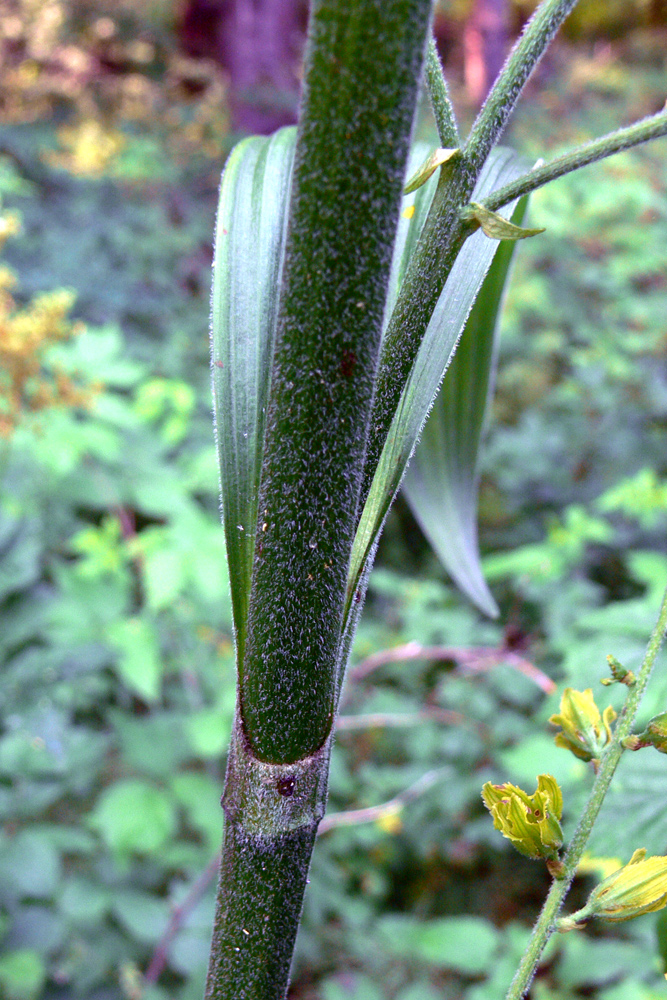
pixel 546 922
pixel 444 232
pixel 648 128
pixel 522 60
pixel 443 110
pixel 442 237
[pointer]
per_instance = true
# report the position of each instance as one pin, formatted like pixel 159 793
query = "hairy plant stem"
pixel 443 110
pixel 652 127
pixel 272 812
pixel 546 922
pixel 351 153
pixel 442 237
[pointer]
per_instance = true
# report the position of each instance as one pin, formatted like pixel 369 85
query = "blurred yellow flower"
pixel 389 821
pixel 584 731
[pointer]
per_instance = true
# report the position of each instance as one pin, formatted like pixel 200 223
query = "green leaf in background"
pixel 133 816
pixel 84 901
pixel 638 795
pixel 22 974
pixel 249 243
pixel 464 944
pixel 139 662
pixel 199 795
pixel 141 914
pixel 30 865
pixel 361 988
pixel 584 962
pixel 435 353
pixel 442 480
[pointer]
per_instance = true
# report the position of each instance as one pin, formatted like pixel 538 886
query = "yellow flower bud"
pixel 637 888
pixel 584 731
pixel 530 822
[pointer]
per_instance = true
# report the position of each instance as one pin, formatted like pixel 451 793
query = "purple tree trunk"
pixel 485 46
pixel 259 43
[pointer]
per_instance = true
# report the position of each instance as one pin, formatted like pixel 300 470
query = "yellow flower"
pixel 389 820
pixel 530 822
pixel 584 731
pixel 639 887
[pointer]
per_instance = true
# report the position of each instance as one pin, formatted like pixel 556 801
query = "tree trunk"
pixel 259 43
pixel 485 44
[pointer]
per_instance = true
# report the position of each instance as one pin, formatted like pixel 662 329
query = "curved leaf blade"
pixel 442 480
pixel 249 242
pixel 436 351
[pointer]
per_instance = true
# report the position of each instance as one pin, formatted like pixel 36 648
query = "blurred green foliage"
pixel 115 637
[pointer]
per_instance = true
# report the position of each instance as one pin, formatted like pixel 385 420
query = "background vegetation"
pixel 117 664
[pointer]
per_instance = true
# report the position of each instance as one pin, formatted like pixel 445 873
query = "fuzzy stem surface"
pixel 443 110
pixel 352 148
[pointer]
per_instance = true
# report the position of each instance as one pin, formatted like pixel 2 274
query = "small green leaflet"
pixel 494 225
pixel 429 167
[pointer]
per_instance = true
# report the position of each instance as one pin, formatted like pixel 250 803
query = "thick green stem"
pixel 351 154
pixel 443 110
pixel 522 60
pixel 352 149
pixel 546 923
pixel 648 128
pixel 271 816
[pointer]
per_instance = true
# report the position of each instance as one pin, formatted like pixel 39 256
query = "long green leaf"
pixel 442 480
pixel 248 260
pixel 435 354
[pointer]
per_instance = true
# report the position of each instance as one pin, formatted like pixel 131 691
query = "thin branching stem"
pixel 443 109
pixel 648 128
pixel 353 817
pixel 444 232
pixel 546 922
pixel 522 60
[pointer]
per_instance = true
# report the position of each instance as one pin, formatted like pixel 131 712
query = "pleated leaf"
pixel 442 480
pixel 248 260
pixel 435 354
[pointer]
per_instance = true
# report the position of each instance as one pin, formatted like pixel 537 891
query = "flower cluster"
pixel 583 730
pixel 530 822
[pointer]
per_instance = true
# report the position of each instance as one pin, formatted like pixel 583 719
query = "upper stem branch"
pixel 443 110
pixel 648 128
pixel 546 921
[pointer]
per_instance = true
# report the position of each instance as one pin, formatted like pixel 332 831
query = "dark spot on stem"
pixel 348 363
pixel 285 786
